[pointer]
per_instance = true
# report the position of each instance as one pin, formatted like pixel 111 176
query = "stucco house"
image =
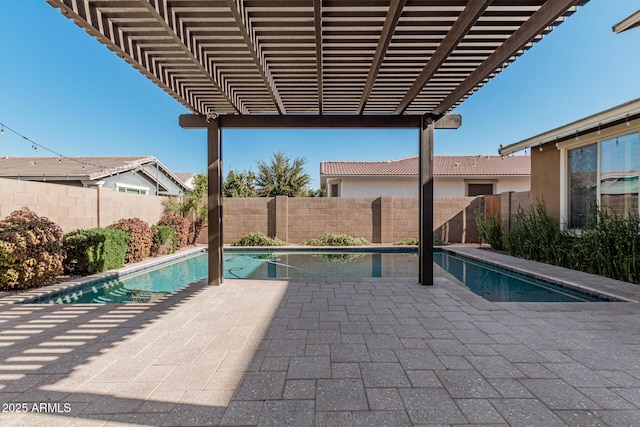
pixel 187 178
pixel 453 176
pixel 591 162
pixel 139 175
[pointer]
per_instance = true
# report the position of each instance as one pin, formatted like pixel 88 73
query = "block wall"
pixel 377 219
pixel 75 208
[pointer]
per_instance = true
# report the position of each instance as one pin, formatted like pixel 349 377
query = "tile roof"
pixel 442 166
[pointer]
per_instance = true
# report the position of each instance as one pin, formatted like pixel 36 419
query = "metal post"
pixel 214 150
pixel 425 269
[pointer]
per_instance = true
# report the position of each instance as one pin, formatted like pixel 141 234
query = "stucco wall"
pixel 408 187
pixel 73 207
pixel 545 178
pixel 516 184
pixel 375 187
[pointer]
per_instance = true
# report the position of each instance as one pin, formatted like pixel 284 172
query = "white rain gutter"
pixel 579 127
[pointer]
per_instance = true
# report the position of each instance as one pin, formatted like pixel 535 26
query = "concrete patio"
pixel 368 352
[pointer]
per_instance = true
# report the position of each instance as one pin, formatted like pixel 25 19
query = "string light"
pixel 627 120
pixel 598 128
pixel 35 146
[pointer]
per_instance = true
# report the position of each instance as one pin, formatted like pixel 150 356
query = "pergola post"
pixel 214 155
pixel 425 249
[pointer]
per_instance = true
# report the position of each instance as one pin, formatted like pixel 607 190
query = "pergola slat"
pixel 317 56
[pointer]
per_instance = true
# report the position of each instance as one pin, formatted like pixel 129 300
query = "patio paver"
pixel 334 352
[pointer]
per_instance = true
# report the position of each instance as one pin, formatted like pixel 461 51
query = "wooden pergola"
pixel 319 64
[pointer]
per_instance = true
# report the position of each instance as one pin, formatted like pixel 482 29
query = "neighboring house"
pixel 186 178
pixel 453 176
pixel 591 162
pixel 139 175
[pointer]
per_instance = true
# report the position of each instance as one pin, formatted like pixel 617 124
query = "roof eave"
pixel 331 176
pixel 582 126
pixel 481 176
pixel 632 21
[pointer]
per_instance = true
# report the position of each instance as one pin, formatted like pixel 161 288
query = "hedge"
pixel 165 240
pixel 30 250
pixel 95 250
pixel 141 236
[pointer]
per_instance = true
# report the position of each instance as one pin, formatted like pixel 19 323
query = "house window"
pixel 583 167
pixel 131 189
pixel 479 189
pixel 603 174
pixel 335 190
pixel 619 175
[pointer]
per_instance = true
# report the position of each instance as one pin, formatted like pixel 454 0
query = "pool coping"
pixel 50 291
pixel 572 279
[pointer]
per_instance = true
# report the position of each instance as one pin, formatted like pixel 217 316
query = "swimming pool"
pixel 143 286
pixel 492 283
pixel 501 285
pixel 297 264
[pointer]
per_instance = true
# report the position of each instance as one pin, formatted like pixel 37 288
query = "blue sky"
pixel 64 90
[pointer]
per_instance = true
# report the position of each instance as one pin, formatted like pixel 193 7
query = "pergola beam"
pixel 460 28
pixel 542 18
pixel 390 22
pixel 195 121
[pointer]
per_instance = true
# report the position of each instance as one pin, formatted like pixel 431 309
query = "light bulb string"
pixel 36 145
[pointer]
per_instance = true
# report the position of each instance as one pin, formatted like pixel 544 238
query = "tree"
pixel 192 204
pixel 239 184
pixel 282 177
pixel 197 201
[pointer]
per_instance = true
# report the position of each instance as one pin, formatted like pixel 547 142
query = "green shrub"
pixel 141 237
pixel 181 225
pixel 409 241
pixel 438 242
pixel 95 250
pixel 490 230
pixel 609 246
pixel 258 239
pixel 165 240
pixel 414 241
pixel 30 250
pixel 537 236
pixel 331 239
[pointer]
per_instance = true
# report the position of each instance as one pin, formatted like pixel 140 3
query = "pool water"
pixel 305 265
pixel 500 285
pixel 147 286
pixel 493 284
